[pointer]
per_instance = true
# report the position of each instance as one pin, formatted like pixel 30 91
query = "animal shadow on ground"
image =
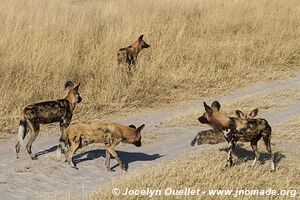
pixel 51 149
pixel 127 157
pixel 246 155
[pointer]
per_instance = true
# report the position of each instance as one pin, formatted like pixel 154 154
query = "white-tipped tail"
pixel 58 151
pixel 21 134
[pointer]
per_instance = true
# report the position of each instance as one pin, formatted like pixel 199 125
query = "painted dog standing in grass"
pixel 128 55
pixel 111 134
pixel 214 137
pixel 45 113
pixel 236 129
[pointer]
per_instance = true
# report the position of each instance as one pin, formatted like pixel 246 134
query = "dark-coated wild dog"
pixel 236 129
pixel 111 134
pixel 47 112
pixel 128 55
pixel 214 137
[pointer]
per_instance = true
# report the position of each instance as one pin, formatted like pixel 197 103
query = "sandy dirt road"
pixel 49 176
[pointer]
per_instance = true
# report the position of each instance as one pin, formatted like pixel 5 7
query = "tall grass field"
pixel 198 48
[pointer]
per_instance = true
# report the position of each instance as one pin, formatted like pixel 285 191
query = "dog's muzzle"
pixel 138 143
pixel 203 120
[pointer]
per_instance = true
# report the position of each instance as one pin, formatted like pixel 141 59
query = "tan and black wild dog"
pixel 214 137
pixel 128 55
pixel 47 112
pixel 111 134
pixel 236 129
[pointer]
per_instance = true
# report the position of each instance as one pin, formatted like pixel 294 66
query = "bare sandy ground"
pixel 49 176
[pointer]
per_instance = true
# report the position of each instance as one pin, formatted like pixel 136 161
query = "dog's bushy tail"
pixel 197 138
pixel 22 130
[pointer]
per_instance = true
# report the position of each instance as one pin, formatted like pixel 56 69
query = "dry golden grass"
pixel 206 47
pixel 204 170
pixel 265 103
pixel 288 130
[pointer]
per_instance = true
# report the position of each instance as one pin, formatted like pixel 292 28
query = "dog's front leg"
pixel 230 158
pixel 112 151
pixel 134 60
pixel 63 146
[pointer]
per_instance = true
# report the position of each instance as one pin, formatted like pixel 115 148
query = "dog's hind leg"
pixel 267 142
pixel 257 154
pixel 107 159
pixel 63 142
pixel 34 131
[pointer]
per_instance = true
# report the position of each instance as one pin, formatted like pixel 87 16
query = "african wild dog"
pixel 47 112
pixel 236 129
pixel 128 55
pixel 111 134
pixel 214 137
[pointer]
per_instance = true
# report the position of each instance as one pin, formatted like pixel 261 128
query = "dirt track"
pixel 26 179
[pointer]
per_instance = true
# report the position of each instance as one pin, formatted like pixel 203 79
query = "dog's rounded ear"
pixel 239 114
pixel 207 108
pixel 69 84
pixel 132 126
pixel 254 113
pixel 216 105
pixel 141 37
pixel 139 129
pixel 77 87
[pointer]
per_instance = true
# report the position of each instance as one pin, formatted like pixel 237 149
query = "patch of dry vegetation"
pixel 288 130
pixel 205 170
pixel 206 47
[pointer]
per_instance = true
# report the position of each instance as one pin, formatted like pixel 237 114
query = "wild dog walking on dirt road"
pixel 236 129
pixel 111 134
pixel 128 55
pixel 214 137
pixel 45 113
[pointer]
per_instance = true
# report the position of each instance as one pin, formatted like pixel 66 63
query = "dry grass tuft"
pixel 206 47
